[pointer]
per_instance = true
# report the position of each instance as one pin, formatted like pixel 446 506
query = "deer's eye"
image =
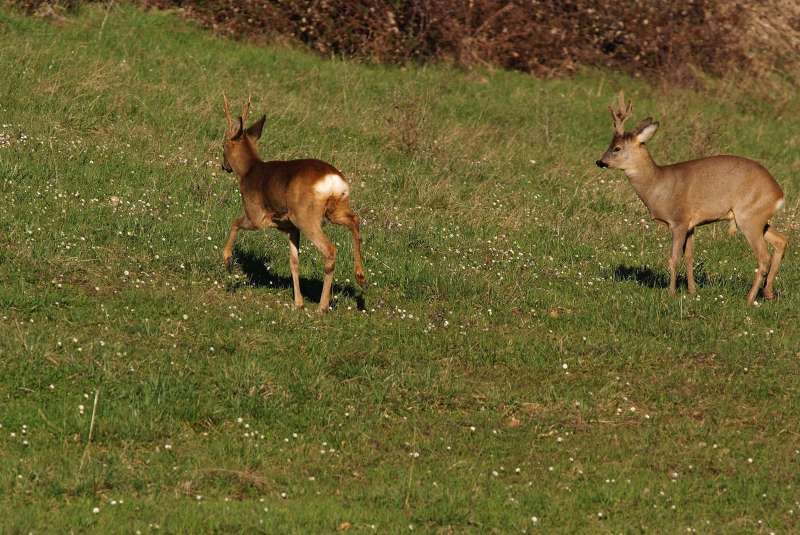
pixel 617 149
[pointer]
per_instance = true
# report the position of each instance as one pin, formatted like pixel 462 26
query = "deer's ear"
pixel 239 130
pixel 647 121
pixel 646 132
pixel 256 128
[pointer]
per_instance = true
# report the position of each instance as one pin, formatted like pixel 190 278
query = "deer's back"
pixel 722 174
pixel 279 184
pixel 710 187
pixel 724 178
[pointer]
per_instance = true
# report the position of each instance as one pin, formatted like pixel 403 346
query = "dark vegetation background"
pixel 656 39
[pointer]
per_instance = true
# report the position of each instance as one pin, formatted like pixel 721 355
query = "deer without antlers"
pixel 291 196
pixel 688 194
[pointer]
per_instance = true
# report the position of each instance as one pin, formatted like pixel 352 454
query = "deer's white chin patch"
pixel 332 186
pixel 779 204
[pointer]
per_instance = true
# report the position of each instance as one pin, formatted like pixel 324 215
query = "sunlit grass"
pixel 517 357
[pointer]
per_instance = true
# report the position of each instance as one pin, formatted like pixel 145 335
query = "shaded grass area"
pixel 516 355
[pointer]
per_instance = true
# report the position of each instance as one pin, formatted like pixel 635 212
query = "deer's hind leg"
pixel 731 223
pixel 308 218
pixel 778 242
pixel 341 214
pixel 754 232
pixel 328 251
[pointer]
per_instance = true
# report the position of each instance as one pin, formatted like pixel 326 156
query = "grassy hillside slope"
pixel 518 365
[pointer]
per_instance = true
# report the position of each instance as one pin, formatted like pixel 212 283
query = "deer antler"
pixel 246 110
pixel 227 112
pixel 621 114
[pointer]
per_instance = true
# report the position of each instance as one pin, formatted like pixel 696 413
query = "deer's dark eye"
pixel 617 149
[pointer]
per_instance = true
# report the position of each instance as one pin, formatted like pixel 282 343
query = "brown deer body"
pixel 291 196
pixel 688 194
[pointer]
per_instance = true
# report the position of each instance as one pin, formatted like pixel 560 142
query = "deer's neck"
pixel 243 162
pixel 644 176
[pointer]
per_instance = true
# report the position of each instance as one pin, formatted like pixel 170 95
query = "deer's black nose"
pixel 601 163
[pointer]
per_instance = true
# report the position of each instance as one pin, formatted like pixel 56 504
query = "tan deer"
pixel 291 196
pixel 688 194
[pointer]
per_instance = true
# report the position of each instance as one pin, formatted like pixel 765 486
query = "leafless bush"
pixel 46 6
pixel 545 37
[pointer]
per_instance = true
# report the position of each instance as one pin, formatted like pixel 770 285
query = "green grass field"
pixel 518 365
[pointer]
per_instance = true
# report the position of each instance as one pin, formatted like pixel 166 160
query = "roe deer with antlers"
pixel 687 194
pixel 291 196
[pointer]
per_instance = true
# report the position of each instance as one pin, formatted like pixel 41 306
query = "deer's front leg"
pixel 688 256
pixel 227 253
pixel 678 244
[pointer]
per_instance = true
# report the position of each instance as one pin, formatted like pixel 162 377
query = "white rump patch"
pixel 332 186
pixel 779 204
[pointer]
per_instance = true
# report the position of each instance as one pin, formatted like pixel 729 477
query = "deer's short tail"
pixel 332 186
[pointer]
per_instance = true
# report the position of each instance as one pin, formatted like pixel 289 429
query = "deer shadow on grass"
pixel 645 276
pixel 259 276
